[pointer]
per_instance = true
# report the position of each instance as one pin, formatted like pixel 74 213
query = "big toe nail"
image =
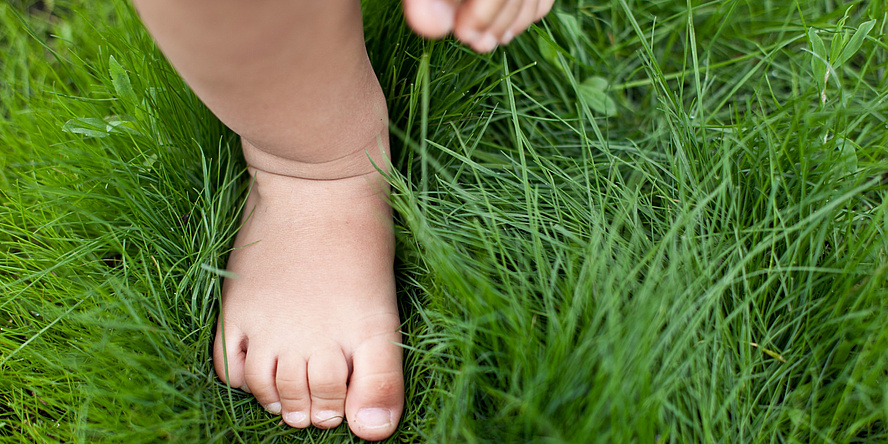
pixel 430 18
pixel 374 418
pixel 375 397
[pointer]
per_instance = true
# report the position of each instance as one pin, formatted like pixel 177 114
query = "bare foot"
pixel 311 322
pixel 481 24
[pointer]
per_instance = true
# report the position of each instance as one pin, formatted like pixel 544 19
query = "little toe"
pixel 327 377
pixel 376 389
pixel 259 370
pixel 430 18
pixel 229 344
pixel 292 387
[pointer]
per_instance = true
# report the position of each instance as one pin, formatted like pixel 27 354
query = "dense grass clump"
pixel 653 221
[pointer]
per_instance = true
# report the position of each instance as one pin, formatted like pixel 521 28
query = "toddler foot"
pixel 481 24
pixel 310 322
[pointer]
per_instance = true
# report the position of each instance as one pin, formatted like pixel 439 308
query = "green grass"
pixel 695 252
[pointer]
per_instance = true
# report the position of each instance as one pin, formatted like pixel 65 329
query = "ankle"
pixel 328 151
pixel 364 160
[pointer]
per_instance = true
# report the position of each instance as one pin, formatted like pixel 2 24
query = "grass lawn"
pixel 642 221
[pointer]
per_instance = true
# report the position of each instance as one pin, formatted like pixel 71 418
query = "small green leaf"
pixel 65 31
pixel 856 41
pixel 847 156
pixel 126 126
pixel 835 47
pixel 594 92
pixel 150 161
pixel 798 417
pixel 838 40
pixel 571 25
pixel 817 46
pixel 595 82
pixel 93 127
pixel 841 24
pixel 818 58
pixel 89 127
pixel 549 51
pixel 121 80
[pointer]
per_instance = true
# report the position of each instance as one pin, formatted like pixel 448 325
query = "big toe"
pixel 430 18
pixel 375 397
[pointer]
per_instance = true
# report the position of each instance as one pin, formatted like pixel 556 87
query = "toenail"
pixel 507 37
pixel 327 415
pixel 246 388
pixel 471 36
pixel 274 407
pixel 486 43
pixel 295 418
pixel 374 418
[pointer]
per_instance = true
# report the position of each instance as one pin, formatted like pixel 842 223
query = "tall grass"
pixel 648 221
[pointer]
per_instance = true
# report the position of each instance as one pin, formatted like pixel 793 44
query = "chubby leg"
pixel 310 323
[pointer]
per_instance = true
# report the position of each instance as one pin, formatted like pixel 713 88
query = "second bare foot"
pixel 481 24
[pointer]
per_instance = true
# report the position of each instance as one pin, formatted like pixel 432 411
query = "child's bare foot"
pixel 310 326
pixel 481 24
pixel 311 322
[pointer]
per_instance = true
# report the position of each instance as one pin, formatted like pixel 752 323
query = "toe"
pixel 505 20
pixel 229 344
pixel 259 371
pixel 292 387
pixel 430 18
pixel 543 8
pixel 472 20
pixel 327 377
pixel 526 17
pixel 376 389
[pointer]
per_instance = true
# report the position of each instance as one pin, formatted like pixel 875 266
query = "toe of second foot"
pixel 430 18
